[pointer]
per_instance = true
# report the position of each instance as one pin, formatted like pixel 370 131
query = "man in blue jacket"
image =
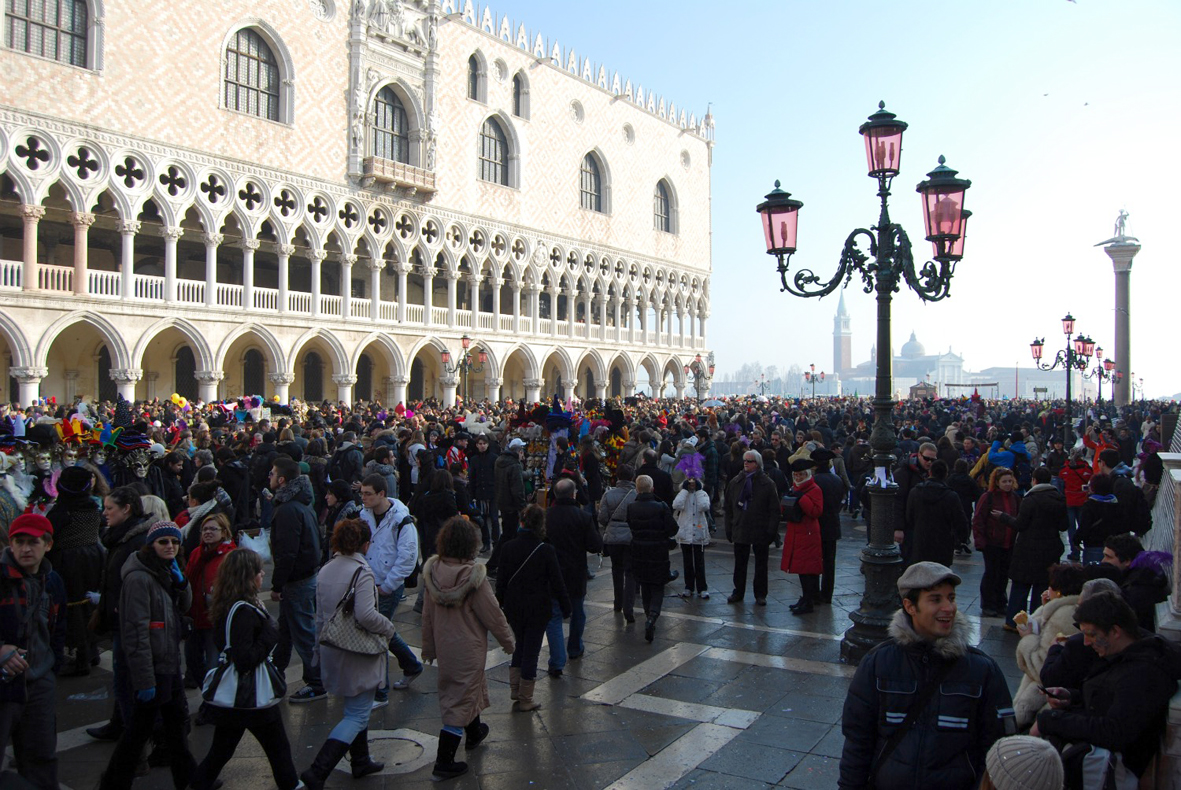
pixel 924 706
pixel 32 649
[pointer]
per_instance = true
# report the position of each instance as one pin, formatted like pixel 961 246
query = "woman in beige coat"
pixel 1053 619
pixel 352 676
pixel 459 611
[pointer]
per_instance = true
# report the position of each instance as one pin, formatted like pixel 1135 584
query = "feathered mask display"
pixel 690 465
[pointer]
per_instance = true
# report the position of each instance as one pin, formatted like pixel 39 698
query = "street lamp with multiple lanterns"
pixel 887 263
pixel 1076 356
pixel 469 362
pixel 810 375
pixel 1104 370
pixel 702 371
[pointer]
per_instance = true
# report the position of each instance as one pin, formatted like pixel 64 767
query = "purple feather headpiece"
pixel 691 465
pixel 1158 561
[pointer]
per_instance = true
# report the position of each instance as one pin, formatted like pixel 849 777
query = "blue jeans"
pixel 1023 596
pixel 122 677
pixel 356 717
pixel 560 649
pixel 386 605
pixel 1072 514
pixel 297 628
pixel 265 508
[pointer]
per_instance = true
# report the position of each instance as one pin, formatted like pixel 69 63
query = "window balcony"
pixel 399 174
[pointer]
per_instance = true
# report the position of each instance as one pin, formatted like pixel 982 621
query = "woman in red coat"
pixel 216 542
pixel 1076 473
pixel 992 529
pixel 802 548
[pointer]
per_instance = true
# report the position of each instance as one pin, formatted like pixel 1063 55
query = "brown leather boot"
pixel 525 699
pixel 514 683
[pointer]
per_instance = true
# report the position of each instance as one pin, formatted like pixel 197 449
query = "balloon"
pixel 175 398
pixel 183 402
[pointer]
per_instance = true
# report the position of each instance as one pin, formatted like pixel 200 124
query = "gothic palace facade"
pixel 318 198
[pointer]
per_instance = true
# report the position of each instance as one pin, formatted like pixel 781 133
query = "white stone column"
pixel 28 381
pixel 659 322
pixel 535 308
pixel 572 312
pixel 703 317
pixel 398 390
pixel 693 327
pixel 212 242
pixel 532 391
pixel 492 389
pixel 285 252
pixel 473 285
pixel 71 379
pixel 679 386
pixel 125 380
pixel 82 222
pixel 449 385
pixel 553 310
pixel 282 383
pixel 602 317
pixel 681 320
pixel 249 246
pixel 516 307
pixel 152 377
pixel 170 234
pixel 601 390
pixel 496 284
pixel 617 303
pixel 344 387
pixel 127 231
pixel 567 391
pixel 632 308
pixel 346 286
pixel 31 216
pixel 207 382
pixel 375 267
pixel 403 271
pixel 629 387
pixel 428 296
pixel 317 258
pixel 452 295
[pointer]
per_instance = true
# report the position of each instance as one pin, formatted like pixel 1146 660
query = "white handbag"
pixel 224 687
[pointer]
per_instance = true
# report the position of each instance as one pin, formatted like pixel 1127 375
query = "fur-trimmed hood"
pixel 450 582
pixel 299 490
pixel 951 646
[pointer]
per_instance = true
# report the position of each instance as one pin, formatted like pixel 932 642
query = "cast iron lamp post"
pixel 469 362
pixel 888 264
pixel 701 378
pixel 1076 356
pixel 810 375
pixel 1104 370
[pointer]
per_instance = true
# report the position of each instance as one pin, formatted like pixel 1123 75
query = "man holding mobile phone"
pixel 33 637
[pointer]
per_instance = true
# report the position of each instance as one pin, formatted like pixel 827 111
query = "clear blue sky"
pixel 1060 112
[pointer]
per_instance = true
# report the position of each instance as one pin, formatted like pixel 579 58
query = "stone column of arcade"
pixel 82 222
pixel 449 386
pixel 282 383
pixel 398 390
pixel 532 391
pixel 31 216
pixel 492 389
pixel 28 381
pixel 207 381
pixel 125 380
pixel 344 387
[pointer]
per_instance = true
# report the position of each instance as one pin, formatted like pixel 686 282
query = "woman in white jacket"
pixel 1053 620
pixel 691 508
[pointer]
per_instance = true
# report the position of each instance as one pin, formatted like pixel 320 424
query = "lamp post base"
pixel 881 563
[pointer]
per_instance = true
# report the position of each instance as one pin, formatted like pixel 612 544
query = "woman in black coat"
pixel 77 556
pixel 1102 516
pixel 653 526
pixel 433 510
pixel 1038 544
pixel 527 583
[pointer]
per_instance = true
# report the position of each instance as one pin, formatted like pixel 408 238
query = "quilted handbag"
pixel 343 632
pixel 225 687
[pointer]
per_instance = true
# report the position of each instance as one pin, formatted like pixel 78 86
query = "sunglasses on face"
pixel 169 541
pixel 928 458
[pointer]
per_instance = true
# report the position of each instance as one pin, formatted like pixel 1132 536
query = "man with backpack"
pixel 393 557
pixel 348 462
pixel 1137 515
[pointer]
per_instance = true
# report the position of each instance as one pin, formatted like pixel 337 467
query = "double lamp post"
pixel 1075 356
pixel 810 375
pixel 887 265
pixel 469 362
pixel 701 378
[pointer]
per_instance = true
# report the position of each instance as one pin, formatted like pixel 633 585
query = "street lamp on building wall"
pixel 810 375
pixel 887 265
pixel 1076 356
pixel 469 362
pixel 702 371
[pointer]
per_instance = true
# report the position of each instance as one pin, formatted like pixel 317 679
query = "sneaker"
pixel 307 694
pixel 379 703
pixel 686 594
pixel 404 682
pixel 703 595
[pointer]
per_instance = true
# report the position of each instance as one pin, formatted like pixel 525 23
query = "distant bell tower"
pixel 842 339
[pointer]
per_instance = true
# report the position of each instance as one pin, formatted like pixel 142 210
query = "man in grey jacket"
pixel 617 538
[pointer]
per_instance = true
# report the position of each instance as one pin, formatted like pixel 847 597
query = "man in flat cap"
pixel 924 706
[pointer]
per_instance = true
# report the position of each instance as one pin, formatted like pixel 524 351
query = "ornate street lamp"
pixel 888 263
pixel 703 373
pixel 469 362
pixel 810 375
pixel 1076 356
pixel 1101 372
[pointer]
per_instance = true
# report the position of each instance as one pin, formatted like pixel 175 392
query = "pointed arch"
pixel 393 354
pixel 285 64
pixel 274 352
pixel 120 356
pixel 22 355
pixel 191 333
pixel 566 364
pixel 532 366
pixel 340 358
pixel 592 356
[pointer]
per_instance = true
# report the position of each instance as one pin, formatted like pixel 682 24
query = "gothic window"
pixel 662 208
pixel 252 76
pixel 253 372
pixel 477 77
pixel 184 379
pixel 520 96
pixel 54 29
pixel 493 153
pixel 391 135
pixel 313 378
pixel 591 185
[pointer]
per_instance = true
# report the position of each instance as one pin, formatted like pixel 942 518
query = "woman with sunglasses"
pixel 154 597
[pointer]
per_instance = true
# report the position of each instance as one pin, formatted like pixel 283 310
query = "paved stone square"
pixel 728 696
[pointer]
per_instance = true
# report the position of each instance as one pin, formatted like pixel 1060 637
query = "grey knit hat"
pixel 1023 762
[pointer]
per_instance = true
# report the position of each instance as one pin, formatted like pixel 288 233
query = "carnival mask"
pixel 69 456
pixel 141 469
pixel 44 460
pixel 100 457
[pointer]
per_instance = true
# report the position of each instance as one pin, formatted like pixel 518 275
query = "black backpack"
pixel 411 580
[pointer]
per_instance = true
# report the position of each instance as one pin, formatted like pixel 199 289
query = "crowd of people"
pixel 137 524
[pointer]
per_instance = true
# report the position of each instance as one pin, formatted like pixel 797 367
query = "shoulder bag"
pixel 343 632
pixel 916 708
pixel 225 687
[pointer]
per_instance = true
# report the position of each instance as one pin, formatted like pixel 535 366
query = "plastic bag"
pixel 261 544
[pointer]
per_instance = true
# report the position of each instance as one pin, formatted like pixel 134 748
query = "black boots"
pixel 650 629
pixel 476 732
pixel 445 765
pixel 330 754
pixel 363 764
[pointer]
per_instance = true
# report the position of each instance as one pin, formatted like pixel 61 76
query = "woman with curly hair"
pixel 459 612
pixel 993 535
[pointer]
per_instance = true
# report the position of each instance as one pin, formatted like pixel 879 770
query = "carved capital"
pixel 70 375
pixel 126 375
pixel 493 382
pixel 532 384
pixel 317 256
pixel 171 233
pixel 399 381
pixel 214 239
pixel 496 282
pixel 250 244
pixel 32 213
pixel 28 375
pixel 282 379
pixel 209 376
pixel 628 384
pixel 129 227
pixel 152 375
pixel 82 219
pixel 286 250
pixel 344 379
pixel 348 260
pixel 450 275
pixel 375 264
pixel 449 382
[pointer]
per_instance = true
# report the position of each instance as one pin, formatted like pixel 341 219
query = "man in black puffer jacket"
pixel 935 520
pixel 652 525
pixel 967 707
pixel 482 483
